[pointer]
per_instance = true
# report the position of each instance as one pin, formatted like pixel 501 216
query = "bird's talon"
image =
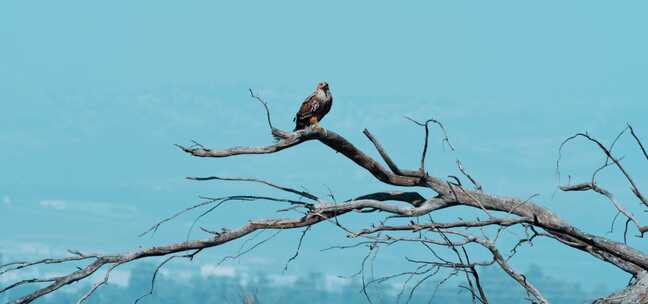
pixel 319 129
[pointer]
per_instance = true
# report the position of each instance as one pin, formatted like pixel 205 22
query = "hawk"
pixel 314 108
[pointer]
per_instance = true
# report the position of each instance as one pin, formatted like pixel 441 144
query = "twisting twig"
pixel 294 256
pixel 27 281
pixel 419 283
pixel 461 263
pixel 265 105
pixel 362 271
pixel 98 284
pixel 497 257
pixel 531 289
pixel 463 171
pixel 473 270
pixel 443 281
pixel 390 163
pixel 425 142
pixel 157 269
pixel 276 133
pixel 609 155
pixel 445 139
pixel 638 141
pixel 473 198
pixel 157 225
pixel 594 187
pixel 331 195
pixel 244 252
pixel 219 201
pixel 24 264
pixel 616 216
pixel 414 227
pixel 261 181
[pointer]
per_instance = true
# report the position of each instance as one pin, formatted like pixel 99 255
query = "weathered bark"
pixel 636 293
pixel 502 212
pixel 618 254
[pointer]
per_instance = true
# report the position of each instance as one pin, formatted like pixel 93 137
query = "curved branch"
pixel 329 138
pixel 618 254
pixel 467 238
pixel 621 255
pixel 98 284
pixel 390 163
pixel 634 293
pixel 261 181
pixel 222 238
pixel 504 222
pixel 276 133
pixel 78 256
pixel 218 201
pixel 300 136
pixel 634 135
pixel 318 213
pixel 609 155
pixel 425 141
pixel 511 272
pixel 463 171
pixel 529 214
pixel 610 196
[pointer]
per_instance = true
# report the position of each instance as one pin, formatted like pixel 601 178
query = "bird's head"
pixel 323 86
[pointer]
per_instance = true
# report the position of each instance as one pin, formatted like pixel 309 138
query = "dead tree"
pixel 405 211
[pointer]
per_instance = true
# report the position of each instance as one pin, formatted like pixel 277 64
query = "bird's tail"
pixel 299 125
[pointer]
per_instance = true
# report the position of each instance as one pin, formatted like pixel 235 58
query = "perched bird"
pixel 314 108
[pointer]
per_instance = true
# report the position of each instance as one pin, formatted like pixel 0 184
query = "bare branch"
pixel 100 261
pixel 534 218
pixel 319 212
pixel 219 201
pixel 20 265
pixel 473 270
pixel 434 226
pixel 634 293
pixel 390 163
pixel 299 244
pixel 610 251
pixel 425 142
pixel 256 180
pixel 329 138
pixel 463 171
pixel 634 135
pixel 244 252
pixel 609 155
pixel 97 285
pixel 497 257
pixel 276 133
pixel 157 269
pixel 610 196
pixel 515 275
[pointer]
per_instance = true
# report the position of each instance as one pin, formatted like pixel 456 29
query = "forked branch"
pixel 502 212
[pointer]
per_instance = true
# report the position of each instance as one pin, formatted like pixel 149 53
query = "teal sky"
pixel 94 95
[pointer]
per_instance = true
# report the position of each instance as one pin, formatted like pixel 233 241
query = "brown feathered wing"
pixel 308 108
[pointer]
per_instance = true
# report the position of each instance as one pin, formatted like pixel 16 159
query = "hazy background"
pixel 94 95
